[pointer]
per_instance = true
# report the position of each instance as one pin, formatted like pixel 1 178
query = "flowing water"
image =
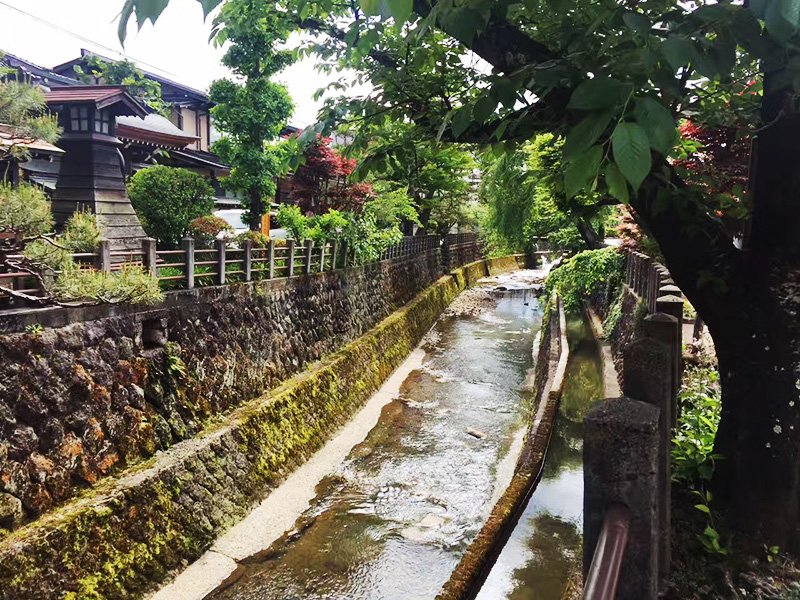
pixel 545 547
pixel 395 518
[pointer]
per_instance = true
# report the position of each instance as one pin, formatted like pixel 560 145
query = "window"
pixel 102 121
pixel 79 118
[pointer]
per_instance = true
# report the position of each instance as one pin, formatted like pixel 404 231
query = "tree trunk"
pixel 750 301
pixel 256 209
pixel 588 233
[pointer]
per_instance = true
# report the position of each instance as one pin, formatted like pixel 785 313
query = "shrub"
pixel 206 229
pixel 693 455
pixel 25 209
pixel 256 238
pixel 167 200
pixel 292 218
pixel 584 273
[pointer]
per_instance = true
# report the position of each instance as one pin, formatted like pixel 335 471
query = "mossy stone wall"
pixel 120 539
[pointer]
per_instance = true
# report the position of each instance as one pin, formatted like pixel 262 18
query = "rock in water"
pixel 476 433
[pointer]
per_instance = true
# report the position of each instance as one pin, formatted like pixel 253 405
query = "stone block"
pixel 620 456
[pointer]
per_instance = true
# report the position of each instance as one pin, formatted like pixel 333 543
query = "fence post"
pixel 648 369
pixel 271 254
pixel 222 251
pixel 322 257
pixel 308 255
pixel 104 255
pixel 150 258
pixel 334 251
pixel 345 250
pixel 290 252
pixel 620 456
pixel 187 245
pixel 667 329
pixel 248 260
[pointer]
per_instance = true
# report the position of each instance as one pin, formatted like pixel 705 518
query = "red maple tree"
pixel 321 184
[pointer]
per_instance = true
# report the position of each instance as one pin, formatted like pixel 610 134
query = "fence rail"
pixel 191 266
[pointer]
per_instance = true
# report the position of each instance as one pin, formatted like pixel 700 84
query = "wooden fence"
pixel 190 266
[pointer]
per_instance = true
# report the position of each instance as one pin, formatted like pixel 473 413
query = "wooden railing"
pixel 190 266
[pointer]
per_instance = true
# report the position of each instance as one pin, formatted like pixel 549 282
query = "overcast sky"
pixel 176 47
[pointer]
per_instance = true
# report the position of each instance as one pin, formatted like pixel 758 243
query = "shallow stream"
pixel 394 519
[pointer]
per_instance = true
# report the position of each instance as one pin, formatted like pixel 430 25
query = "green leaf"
pixel 679 51
pixel 582 169
pixel 209 5
pixel 599 93
pixel 400 9
pixel 657 121
pixel 617 184
pixel 632 152
pixel 585 133
pixel 501 129
pixel 463 24
pixel 484 108
pixel 504 91
pixel 462 119
pixel 637 22
pixel 370 7
pixel 703 508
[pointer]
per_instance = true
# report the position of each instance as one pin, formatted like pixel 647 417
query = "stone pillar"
pixel 648 369
pixel 620 456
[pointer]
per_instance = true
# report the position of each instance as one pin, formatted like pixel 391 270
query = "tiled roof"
pixel 153 129
pixel 101 95
pixel 9 137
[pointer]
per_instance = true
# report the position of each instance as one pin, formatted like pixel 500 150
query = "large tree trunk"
pixel 256 209
pixel 750 300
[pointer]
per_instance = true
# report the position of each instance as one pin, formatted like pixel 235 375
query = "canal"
pixel 394 519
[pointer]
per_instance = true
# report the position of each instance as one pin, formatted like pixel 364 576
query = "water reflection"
pixel 546 544
pixel 396 517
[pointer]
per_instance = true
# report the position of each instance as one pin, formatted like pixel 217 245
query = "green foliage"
pixel 250 113
pixel 22 106
pixel 25 209
pixel 81 233
pixel 693 455
pixel 581 275
pixel 167 200
pixel 527 199
pixel 328 226
pixel 256 238
pixel 34 330
pixel 131 284
pixel 125 73
pixel 292 219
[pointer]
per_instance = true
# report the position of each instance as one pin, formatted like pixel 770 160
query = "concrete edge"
pixel 481 554
pixel 611 387
pixel 124 536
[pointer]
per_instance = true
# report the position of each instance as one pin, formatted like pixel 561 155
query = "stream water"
pixel 545 546
pixel 394 519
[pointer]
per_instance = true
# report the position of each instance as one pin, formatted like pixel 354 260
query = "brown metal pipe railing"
pixel 601 582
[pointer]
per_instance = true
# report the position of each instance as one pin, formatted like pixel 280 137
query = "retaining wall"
pixel 122 538
pixel 90 391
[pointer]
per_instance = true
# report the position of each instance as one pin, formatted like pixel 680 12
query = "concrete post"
pixel 271 253
pixel 222 251
pixel 309 250
pixel 290 259
pixel 620 456
pixel 104 255
pixel 667 329
pixel 648 369
pixel 334 254
pixel 150 258
pixel 322 257
pixel 248 260
pixel 187 245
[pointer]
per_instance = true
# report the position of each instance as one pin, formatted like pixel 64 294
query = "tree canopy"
pixel 251 112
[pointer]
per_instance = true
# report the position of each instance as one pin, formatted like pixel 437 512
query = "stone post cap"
pixel 670 290
pixel 669 299
pixel 623 414
pixel 660 317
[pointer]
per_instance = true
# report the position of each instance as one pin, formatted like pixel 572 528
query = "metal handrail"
pixel 601 582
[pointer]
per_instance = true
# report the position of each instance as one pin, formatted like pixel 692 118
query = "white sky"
pixel 176 47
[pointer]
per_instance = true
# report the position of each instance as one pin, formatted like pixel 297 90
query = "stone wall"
pixel 120 540
pixel 79 402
